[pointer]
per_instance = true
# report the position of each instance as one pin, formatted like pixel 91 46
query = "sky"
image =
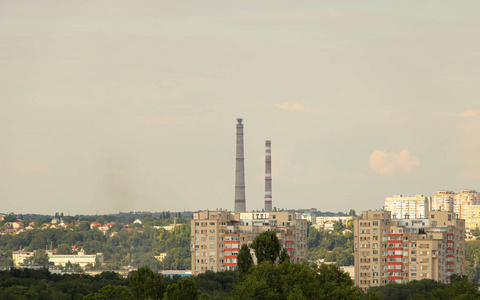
pixel 109 106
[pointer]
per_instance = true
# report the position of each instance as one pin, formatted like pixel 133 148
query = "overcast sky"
pixel 115 106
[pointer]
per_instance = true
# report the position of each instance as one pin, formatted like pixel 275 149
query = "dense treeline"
pixel 136 247
pixel 142 284
pixel 472 261
pixel 334 246
pixel 460 289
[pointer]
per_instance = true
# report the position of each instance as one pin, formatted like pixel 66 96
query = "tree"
pixel 40 257
pixel 266 246
pixel 84 225
pixel 111 292
pixel 352 213
pixel 185 289
pixel 145 284
pixel 64 249
pixel 476 232
pixel 10 218
pixel 284 256
pixel 244 260
pixel 296 281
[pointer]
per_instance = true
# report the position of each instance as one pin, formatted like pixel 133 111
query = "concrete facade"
pixel 390 250
pixel 416 207
pixel 240 205
pixel 217 236
pixel 443 201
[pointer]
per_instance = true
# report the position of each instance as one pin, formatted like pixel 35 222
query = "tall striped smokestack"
pixel 268 176
pixel 240 171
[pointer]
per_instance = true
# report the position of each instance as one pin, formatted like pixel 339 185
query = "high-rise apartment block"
pixel 218 235
pixel 464 198
pixel 390 250
pixel 443 201
pixel 471 214
pixel 416 207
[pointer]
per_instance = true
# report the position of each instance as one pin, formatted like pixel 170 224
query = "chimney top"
pixel 239 120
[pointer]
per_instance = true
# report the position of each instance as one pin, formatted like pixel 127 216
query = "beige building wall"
pixel 217 236
pixel 471 214
pixel 415 207
pixel 443 201
pixel 465 198
pixel 390 250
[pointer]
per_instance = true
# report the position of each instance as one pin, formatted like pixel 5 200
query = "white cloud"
pixel 292 106
pixel 389 164
pixel 463 114
pixel 21 166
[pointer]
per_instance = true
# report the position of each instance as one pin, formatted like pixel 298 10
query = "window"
pixel 211 238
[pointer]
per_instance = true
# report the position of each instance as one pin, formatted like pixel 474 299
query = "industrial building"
pixel 217 236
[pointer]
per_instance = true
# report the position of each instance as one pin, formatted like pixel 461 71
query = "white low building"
pixel 81 258
pixel 60 259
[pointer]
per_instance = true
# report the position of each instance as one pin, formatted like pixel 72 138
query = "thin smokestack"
pixel 240 171
pixel 268 176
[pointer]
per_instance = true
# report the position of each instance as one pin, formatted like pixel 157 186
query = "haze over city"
pixel 110 106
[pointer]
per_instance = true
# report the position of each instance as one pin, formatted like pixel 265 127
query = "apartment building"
pixel 471 214
pixel 416 207
pixel 217 236
pixel 443 201
pixel 463 199
pixel 390 250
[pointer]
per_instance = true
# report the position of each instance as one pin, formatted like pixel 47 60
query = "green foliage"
pixel 284 256
pixel 476 232
pixel 41 284
pixel 145 284
pixel 109 292
pixel 10 218
pixel 244 260
pixel 266 246
pixel 185 289
pixel 64 249
pixel 332 246
pixel 296 281
pixel 5 260
pixel 40 258
pixel 216 284
pixel 460 288
pixel 134 248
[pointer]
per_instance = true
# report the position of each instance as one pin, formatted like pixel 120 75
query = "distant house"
pixel 17 225
pixel 29 227
pixel 95 224
pixel 55 221
pixel 138 221
pixel 161 257
pixel 8 231
pixel 19 257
